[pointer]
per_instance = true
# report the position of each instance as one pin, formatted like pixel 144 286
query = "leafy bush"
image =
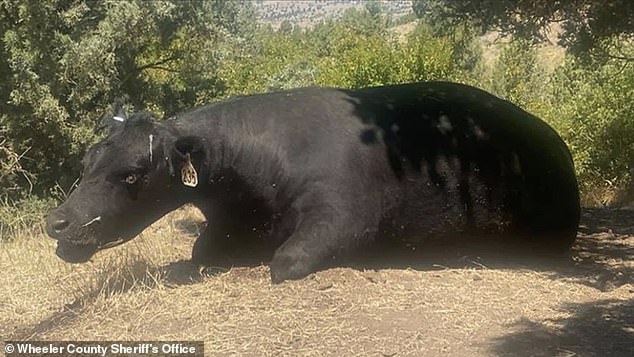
pixel 591 105
pixel 593 108
pixel 518 76
pixel 26 214
pixel 63 63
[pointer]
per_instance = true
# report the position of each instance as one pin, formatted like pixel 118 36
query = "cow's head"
pixel 130 179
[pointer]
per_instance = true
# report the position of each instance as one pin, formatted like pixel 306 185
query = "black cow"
pixel 323 172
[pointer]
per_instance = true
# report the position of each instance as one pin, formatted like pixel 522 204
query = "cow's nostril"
pixel 60 225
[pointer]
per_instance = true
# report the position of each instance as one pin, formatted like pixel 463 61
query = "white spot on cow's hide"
pixel 118 118
pixel 444 125
pixel 151 138
pixel 477 131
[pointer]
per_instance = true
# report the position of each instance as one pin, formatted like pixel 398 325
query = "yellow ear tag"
pixel 189 176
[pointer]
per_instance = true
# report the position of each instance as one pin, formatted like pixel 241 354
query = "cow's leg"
pixel 233 227
pixel 322 230
pixel 213 244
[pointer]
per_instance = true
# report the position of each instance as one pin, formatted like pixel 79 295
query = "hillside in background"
pixel 307 13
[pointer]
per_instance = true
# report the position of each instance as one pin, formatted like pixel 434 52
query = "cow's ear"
pixel 112 120
pixel 118 110
pixel 188 145
pixel 186 157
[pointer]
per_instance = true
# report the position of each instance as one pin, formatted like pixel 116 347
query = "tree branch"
pixel 157 63
pixel 622 58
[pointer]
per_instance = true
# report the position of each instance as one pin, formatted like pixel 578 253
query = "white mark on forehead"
pixel 151 138
pixel 117 118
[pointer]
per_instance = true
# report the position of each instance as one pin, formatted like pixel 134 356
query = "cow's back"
pixel 443 157
pixel 468 161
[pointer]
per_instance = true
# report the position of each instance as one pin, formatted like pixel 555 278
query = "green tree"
pixel 273 60
pixel 286 27
pixel 518 77
pixel 63 62
pixel 592 107
pixel 589 26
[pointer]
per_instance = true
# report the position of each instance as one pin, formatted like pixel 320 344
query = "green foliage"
pixel 402 20
pixel 24 215
pixel 589 104
pixel 64 62
pixel 517 75
pixel 430 57
pixel 463 35
pixel 272 61
pixel 586 25
pixel 11 171
pixel 354 51
pixel 593 108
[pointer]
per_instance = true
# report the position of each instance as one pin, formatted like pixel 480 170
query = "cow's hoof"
pixel 286 266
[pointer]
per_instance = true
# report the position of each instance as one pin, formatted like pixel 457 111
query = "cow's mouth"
pixel 80 253
pixel 75 253
pixel 113 243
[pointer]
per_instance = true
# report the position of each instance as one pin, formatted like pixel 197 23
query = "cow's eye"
pixel 130 179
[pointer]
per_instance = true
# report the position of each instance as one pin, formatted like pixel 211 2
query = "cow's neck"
pixel 205 131
pixel 236 151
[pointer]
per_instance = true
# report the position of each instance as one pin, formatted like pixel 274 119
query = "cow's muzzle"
pixel 76 243
pixel 75 253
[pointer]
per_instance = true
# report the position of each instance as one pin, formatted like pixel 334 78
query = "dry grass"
pixel 457 302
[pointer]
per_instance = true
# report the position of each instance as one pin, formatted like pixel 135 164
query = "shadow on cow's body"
pixel 319 174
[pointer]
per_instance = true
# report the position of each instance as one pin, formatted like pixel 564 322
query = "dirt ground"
pixel 455 299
